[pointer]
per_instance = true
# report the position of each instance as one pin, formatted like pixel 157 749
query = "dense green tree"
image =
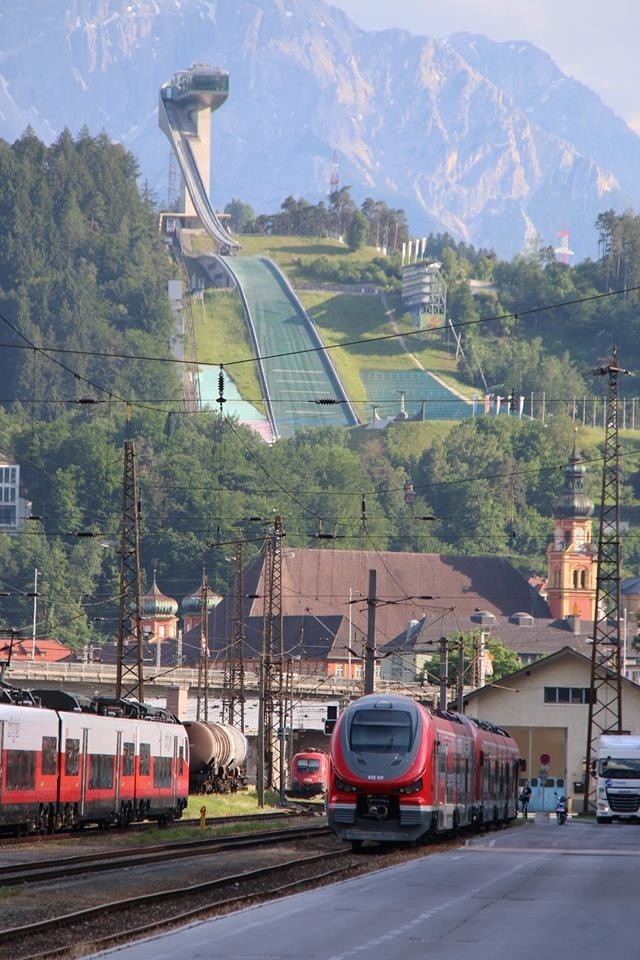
pixel 357 233
pixel 503 660
pixel 242 215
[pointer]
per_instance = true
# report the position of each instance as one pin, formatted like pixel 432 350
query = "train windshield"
pixel 381 731
pixel 307 765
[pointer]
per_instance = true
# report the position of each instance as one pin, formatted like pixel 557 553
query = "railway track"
pixel 119 859
pixel 117 920
pixel 86 931
pixel 57 911
pixel 88 831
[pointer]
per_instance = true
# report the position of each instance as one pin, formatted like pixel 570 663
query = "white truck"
pixel 617 772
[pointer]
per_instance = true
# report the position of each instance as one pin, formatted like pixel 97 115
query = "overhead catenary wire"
pixel 510 315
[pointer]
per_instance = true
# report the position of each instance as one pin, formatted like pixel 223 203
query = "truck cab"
pixel 618 778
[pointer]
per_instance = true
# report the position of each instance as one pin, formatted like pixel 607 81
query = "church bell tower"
pixel 571 556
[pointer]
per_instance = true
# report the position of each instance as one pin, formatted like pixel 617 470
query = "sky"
pixel 594 41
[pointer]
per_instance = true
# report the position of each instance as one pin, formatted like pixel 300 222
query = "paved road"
pixel 535 890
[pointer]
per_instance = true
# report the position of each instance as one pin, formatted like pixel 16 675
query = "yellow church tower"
pixel 571 556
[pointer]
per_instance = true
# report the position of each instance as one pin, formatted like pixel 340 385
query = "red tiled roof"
pixel 50 651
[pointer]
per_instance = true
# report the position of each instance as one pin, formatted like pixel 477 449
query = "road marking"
pixel 408 927
pixel 563 850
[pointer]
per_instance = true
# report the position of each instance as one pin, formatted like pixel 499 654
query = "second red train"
pixel 400 772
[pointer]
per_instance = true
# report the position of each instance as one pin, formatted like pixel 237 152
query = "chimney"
pixel 574 623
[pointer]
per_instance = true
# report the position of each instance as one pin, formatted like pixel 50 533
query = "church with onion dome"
pixel 158 614
pixel 192 605
pixel 572 555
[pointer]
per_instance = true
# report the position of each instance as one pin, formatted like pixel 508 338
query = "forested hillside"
pixel 86 363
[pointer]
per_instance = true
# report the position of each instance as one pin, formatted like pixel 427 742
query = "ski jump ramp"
pixel 184 115
pixel 295 370
pixel 294 366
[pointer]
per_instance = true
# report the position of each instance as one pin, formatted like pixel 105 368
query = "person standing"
pixel 525 797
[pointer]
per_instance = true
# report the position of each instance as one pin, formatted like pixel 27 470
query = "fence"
pixel 589 411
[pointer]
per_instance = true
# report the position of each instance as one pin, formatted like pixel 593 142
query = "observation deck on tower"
pixel 184 114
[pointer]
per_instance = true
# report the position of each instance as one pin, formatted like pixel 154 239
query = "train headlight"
pixel 414 787
pixel 343 786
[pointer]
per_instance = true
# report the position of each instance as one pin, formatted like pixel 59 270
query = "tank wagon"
pixel 400 772
pixel 309 773
pixel 67 761
pixel 218 757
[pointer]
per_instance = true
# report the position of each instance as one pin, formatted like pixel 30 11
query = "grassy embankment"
pixel 244 803
pixel 222 337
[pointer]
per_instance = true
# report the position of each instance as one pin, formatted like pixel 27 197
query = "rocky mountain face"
pixel 490 141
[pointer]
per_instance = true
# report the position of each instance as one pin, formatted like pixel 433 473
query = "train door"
pixel 176 770
pixel 507 784
pixel 84 773
pixel 467 791
pixel 118 772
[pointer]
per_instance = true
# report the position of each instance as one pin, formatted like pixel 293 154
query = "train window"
pixel 181 756
pixel 162 772
pixel 71 757
pixel 21 770
pixel 101 771
pixel 305 764
pixel 381 731
pixel 127 759
pixel 49 756
pixel 145 759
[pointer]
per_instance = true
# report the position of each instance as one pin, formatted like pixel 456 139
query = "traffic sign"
pixel 545 759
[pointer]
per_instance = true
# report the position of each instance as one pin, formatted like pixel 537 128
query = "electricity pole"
pixel 444 670
pixel 370 648
pixel 272 659
pixel 129 680
pixel 460 677
pixel 605 700
pixel 236 647
pixel 202 705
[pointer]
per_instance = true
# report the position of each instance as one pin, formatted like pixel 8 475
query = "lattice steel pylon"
pixel 202 703
pixel 605 701
pixel 273 654
pixel 235 671
pixel 129 678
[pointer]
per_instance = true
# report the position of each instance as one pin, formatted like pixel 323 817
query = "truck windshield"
pixel 620 767
pixel 381 731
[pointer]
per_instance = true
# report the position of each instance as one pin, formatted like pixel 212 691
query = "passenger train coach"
pixel 399 772
pixel 62 768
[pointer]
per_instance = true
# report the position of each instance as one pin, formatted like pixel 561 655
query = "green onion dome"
pixel 157 604
pixel 573 502
pixel 192 603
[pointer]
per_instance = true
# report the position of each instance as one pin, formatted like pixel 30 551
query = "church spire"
pixel 571 557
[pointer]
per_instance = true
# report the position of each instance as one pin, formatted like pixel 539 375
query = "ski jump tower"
pixel 184 114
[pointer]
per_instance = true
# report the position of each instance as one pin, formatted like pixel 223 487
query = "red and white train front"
pixel 309 773
pixel 399 772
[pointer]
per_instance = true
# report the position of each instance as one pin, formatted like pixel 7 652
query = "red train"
pixel 399 771
pixel 309 773
pixel 84 761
